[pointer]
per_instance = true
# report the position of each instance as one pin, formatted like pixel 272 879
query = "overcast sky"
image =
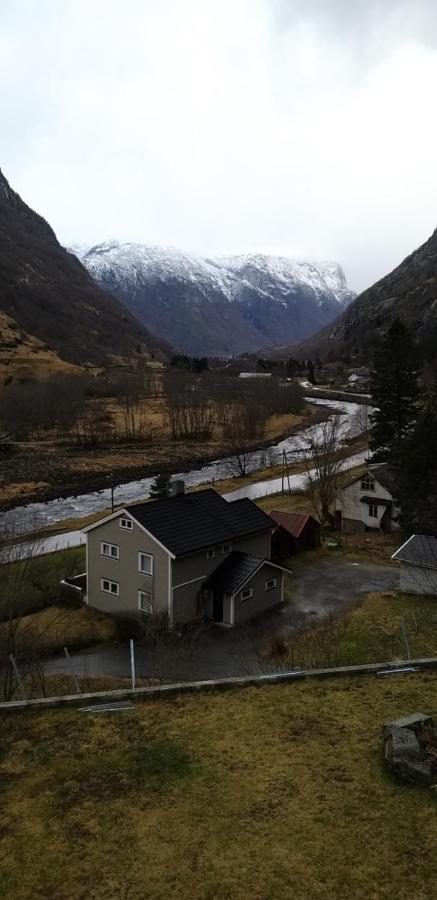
pixel 301 127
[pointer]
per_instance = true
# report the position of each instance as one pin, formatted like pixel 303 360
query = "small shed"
pixel 294 533
pixel 418 559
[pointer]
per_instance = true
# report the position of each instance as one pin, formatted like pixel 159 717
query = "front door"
pixel 217 606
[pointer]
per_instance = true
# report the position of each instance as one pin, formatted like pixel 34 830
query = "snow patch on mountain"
pixel 275 277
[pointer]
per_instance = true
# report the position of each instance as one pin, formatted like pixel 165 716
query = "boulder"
pixel 405 757
pixel 415 722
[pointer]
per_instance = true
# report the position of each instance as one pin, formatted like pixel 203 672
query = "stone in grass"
pixel 415 722
pixel 405 757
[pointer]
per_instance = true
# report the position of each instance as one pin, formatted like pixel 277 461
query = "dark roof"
pixel 384 475
pixel 190 522
pixel 233 573
pixel 236 570
pixel 375 501
pixel 419 550
pixel 293 522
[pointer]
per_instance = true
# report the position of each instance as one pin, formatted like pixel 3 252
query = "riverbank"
pixel 38 473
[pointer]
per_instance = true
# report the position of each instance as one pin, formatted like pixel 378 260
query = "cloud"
pixel 305 128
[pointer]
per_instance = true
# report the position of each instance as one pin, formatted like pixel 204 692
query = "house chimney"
pixel 177 488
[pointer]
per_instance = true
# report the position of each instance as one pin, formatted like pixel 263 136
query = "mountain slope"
pixel 409 292
pixel 49 294
pixel 219 306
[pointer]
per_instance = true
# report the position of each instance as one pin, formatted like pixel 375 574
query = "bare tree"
pixel 323 467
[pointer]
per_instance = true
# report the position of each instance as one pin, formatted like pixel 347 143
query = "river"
pixel 24 519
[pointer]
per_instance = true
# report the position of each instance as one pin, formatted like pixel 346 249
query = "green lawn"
pixel 265 793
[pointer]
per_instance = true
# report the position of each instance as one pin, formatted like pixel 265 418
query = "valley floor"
pixel 43 470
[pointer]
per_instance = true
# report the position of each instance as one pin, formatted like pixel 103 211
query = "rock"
pixel 405 758
pixel 415 722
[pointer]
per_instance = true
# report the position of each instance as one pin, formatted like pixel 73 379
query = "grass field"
pixel 368 633
pixel 269 793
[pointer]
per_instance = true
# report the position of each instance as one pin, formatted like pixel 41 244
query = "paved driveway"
pixel 316 588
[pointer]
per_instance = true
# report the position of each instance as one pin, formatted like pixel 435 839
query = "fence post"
pixel 17 675
pixel 73 673
pixel 132 663
pixel 405 637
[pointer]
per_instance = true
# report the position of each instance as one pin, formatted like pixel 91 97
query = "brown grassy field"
pixel 273 793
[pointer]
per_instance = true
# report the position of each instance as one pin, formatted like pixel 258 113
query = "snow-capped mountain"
pixel 222 305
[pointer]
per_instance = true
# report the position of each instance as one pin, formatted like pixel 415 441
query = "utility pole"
pixel 111 478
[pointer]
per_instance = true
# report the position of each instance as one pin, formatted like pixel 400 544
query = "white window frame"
pixel 226 548
pixel 373 511
pixel 367 483
pixel 125 523
pixel 111 584
pixel 111 547
pixel 210 553
pixel 249 592
pixel 270 583
pixel 150 557
pixel 141 595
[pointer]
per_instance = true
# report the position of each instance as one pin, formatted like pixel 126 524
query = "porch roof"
pixel 236 570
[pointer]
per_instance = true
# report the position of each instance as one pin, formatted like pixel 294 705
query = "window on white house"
pixel 110 587
pixel 270 584
pixel 226 548
pixel 373 512
pixel 145 563
pixel 210 553
pixel 126 523
pixel 367 483
pixel 111 550
pixel 247 594
pixel 145 601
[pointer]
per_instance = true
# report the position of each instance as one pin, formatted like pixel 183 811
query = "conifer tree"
pixel 394 391
pixel 417 474
pixel 160 487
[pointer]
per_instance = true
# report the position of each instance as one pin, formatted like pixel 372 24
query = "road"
pixel 317 587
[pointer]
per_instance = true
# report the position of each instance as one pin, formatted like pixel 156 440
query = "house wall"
pixel 190 571
pixel 125 569
pixel 418 580
pixel 353 511
pixel 262 599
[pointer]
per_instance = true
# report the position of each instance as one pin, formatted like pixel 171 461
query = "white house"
pixel 418 561
pixel 366 502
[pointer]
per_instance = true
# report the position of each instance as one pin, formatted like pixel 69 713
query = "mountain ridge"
pixel 49 294
pixel 218 305
pixel 408 292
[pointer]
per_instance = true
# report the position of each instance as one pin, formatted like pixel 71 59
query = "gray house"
pixel 418 559
pixel 367 503
pixel 188 556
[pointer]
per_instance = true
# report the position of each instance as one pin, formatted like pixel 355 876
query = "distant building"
pixel 418 561
pixel 366 503
pixel 255 375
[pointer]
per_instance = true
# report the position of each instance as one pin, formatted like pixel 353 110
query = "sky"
pixel 305 128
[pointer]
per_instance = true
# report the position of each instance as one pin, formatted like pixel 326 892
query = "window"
pixel 210 553
pixel 145 601
pixel 127 524
pixel 111 550
pixel 145 563
pixel 367 483
pixel 110 587
pixel 373 511
pixel 246 594
pixel 270 584
pixel 226 548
